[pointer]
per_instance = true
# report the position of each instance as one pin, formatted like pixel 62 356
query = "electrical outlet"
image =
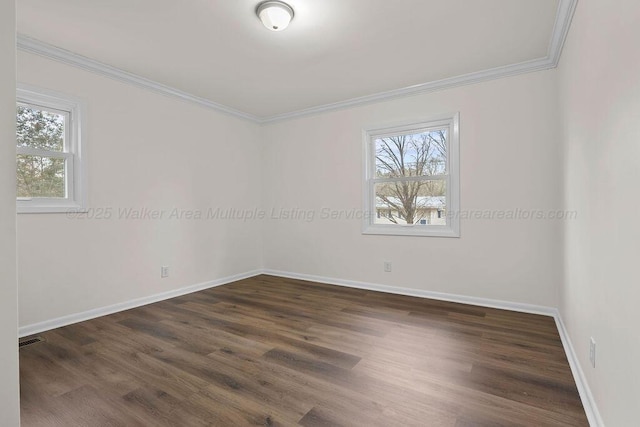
pixel 164 271
pixel 592 352
pixel 387 266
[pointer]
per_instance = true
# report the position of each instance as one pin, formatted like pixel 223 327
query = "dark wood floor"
pixel 269 351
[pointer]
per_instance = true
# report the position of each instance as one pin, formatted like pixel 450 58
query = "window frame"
pixel 73 152
pixel 452 178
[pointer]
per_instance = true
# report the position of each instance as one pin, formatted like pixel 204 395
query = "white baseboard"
pixel 588 402
pixel 586 396
pixel 463 299
pixel 47 325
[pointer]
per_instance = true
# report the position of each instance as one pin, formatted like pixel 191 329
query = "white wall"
pixel 149 151
pixel 600 102
pixel 145 151
pixel 510 159
pixel 9 404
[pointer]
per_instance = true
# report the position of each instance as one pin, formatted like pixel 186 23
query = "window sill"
pixel 411 230
pixel 22 209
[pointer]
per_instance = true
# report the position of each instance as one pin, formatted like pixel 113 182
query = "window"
pixel 411 179
pixel 49 161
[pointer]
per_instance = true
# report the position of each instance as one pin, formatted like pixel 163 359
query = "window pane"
pixel 41 129
pixel 419 154
pixel 416 202
pixel 40 176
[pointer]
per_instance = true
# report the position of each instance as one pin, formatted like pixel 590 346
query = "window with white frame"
pixel 49 152
pixel 412 178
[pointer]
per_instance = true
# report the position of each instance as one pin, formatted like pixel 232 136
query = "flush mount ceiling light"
pixel 275 15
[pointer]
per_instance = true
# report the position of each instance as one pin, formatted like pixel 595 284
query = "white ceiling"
pixel 334 50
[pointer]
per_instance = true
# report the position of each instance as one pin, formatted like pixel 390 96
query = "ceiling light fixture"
pixel 275 15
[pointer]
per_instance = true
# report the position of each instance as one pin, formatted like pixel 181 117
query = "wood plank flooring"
pixel 269 351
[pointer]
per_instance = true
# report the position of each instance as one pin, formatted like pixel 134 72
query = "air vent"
pixel 30 341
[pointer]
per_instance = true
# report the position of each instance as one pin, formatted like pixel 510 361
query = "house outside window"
pixel 412 178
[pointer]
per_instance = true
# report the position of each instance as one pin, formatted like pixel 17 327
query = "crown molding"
pixel 561 26
pixel 448 83
pixel 564 15
pixel 31 45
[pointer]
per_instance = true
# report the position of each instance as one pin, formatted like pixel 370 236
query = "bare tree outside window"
pixel 410 171
pixel 412 178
